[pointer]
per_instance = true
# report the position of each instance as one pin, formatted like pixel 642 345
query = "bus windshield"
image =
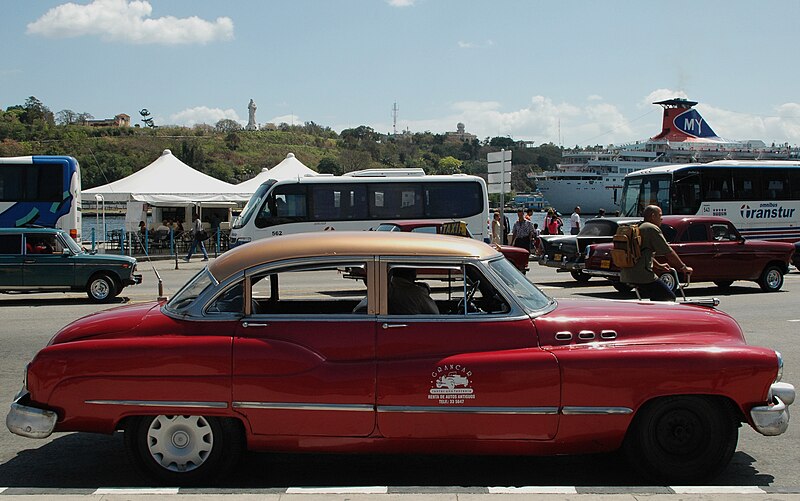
pixel 253 204
pixel 641 191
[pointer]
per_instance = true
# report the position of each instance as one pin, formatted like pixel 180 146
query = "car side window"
pixel 42 243
pixel 10 245
pixel 695 233
pixel 316 289
pixel 721 233
pixel 441 290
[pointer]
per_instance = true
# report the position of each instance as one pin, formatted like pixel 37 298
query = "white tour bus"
pixel 360 201
pixel 761 198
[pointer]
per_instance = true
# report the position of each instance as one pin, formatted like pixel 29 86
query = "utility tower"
pixel 395 109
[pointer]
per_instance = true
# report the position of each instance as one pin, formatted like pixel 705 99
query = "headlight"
pixel 780 367
pixel 242 240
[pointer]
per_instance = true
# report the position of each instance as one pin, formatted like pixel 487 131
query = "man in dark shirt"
pixel 406 297
pixel 644 274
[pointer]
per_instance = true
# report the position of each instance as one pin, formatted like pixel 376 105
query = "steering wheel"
pixel 471 290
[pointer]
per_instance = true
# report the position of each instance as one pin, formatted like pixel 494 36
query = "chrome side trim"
pixel 608 334
pixel 161 403
pixel 586 335
pixel 294 406
pixel 469 410
pixel 563 336
pixel 572 410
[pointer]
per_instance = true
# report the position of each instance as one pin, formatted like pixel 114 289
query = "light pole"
pixel 100 200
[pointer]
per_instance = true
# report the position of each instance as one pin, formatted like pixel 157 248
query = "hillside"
pixel 234 155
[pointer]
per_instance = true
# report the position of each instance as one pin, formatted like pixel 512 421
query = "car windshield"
pixel 185 297
pixel 387 227
pixel 73 246
pixel 528 294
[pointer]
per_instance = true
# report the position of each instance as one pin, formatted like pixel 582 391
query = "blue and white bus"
pixel 761 198
pixel 41 190
pixel 361 201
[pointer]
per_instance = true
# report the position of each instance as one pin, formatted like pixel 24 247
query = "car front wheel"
pixel 580 277
pixel 682 439
pixel 183 450
pixel 669 279
pixel 101 288
pixel 771 279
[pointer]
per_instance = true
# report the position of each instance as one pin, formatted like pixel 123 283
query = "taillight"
pixel 73 233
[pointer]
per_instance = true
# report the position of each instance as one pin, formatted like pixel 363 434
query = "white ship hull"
pixel 591 195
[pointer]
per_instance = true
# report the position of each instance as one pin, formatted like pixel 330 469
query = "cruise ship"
pixel 593 179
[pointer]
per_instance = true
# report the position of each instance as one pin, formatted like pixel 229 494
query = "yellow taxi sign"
pixel 457 228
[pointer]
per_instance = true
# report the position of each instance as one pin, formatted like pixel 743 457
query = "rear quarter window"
pixel 10 244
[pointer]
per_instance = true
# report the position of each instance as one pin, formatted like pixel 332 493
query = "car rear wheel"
pixel 771 279
pixel 580 277
pixel 723 284
pixel 183 450
pixel 101 288
pixel 682 439
pixel 669 279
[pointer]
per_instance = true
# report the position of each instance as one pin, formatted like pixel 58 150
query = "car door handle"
pixel 252 324
pixel 393 326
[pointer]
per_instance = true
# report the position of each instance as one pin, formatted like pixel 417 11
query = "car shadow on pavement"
pixel 694 291
pixel 90 461
pixel 21 300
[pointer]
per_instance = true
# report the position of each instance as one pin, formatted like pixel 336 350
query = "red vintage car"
pixel 518 256
pixel 716 251
pixel 272 348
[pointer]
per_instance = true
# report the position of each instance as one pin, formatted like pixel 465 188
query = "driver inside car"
pixel 407 297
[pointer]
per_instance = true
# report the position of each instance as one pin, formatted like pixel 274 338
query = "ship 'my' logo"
pixel 691 123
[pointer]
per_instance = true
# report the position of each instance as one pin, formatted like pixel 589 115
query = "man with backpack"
pixel 645 270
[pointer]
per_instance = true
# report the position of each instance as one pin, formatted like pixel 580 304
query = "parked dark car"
pixel 519 257
pixel 796 256
pixel 716 251
pixel 566 252
pixel 48 260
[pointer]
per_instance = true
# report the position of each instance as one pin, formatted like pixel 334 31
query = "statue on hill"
pixel 251 122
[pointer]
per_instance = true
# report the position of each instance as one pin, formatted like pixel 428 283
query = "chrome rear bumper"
pixel 773 419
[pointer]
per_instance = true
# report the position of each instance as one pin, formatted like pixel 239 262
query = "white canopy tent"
pixel 169 182
pixel 289 168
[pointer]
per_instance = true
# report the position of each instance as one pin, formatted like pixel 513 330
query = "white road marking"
pixel 337 490
pixel 533 490
pixel 794 320
pixel 716 489
pixel 129 491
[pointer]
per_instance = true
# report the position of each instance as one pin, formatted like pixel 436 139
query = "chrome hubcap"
pixel 773 279
pixel 100 289
pixel 180 443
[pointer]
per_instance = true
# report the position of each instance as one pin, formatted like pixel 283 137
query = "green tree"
pixel 449 165
pixel 232 141
pixel 36 112
pixel 329 165
pixel 227 125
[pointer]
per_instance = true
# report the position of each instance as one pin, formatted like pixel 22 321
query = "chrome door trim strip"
pixel 469 410
pixel 298 406
pixel 161 403
pixel 572 410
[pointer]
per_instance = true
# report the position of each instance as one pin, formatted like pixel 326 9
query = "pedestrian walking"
pixel 198 235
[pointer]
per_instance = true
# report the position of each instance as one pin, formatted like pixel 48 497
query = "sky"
pixel 562 71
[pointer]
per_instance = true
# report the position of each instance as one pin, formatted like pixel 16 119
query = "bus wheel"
pixel 101 288
pixel 771 279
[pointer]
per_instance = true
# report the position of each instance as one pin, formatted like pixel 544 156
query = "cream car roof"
pixel 345 243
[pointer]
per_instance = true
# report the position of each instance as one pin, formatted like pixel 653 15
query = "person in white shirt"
pixel 575 221
pixel 197 230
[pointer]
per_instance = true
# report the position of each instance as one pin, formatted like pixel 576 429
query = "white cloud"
pixel 286 119
pixel 475 45
pixel 128 21
pixel 203 115
pixel 401 3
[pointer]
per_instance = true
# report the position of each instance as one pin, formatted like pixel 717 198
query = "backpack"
pixel 627 246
